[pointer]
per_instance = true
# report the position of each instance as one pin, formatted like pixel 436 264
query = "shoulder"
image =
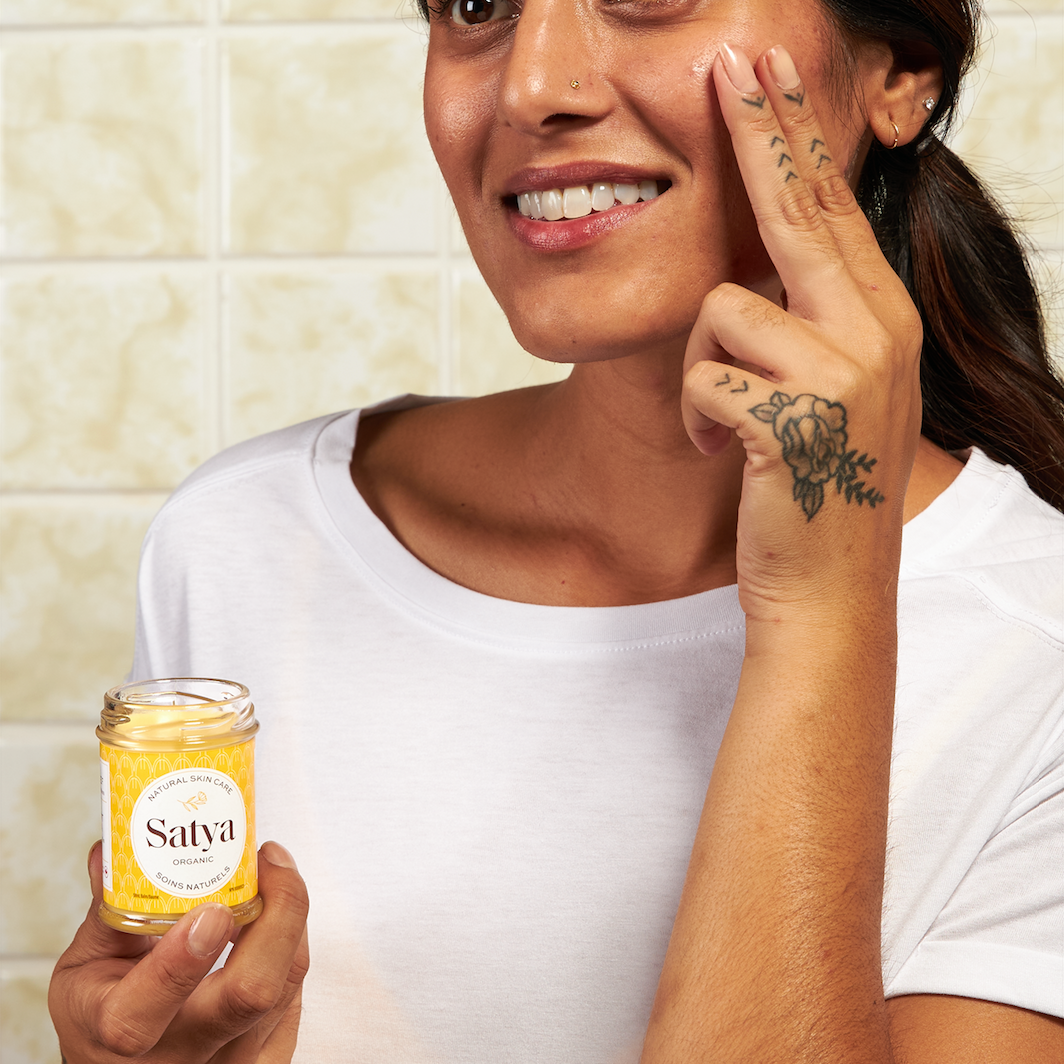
pixel 254 460
pixel 991 541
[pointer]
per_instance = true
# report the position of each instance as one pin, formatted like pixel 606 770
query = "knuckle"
pixel 764 121
pixel 120 1035
pixel 291 897
pixel 297 971
pixel 248 999
pixel 726 298
pixel 170 974
pixel 801 210
pixel 834 194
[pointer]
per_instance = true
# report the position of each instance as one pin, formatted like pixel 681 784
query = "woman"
pixel 496 678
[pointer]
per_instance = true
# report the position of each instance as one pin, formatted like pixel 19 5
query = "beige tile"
pixel 488 357
pixel 328 152
pixel 311 10
pixel 26 1034
pixel 102 153
pixel 67 602
pixel 89 12
pixel 103 381
pixel 304 344
pixel 49 817
pixel 1013 136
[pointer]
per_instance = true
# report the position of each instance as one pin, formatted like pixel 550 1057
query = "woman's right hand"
pixel 115 996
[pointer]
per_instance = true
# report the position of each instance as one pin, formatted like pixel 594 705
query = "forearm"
pixel 775 952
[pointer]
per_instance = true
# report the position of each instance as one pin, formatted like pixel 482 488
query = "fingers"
pixel 273 1038
pixel 268 962
pixel 807 214
pixel 135 1011
pixel 717 399
pixel 122 995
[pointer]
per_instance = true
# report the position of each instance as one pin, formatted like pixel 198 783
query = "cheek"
pixel 458 115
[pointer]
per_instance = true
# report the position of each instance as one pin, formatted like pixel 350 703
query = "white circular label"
pixel 189 828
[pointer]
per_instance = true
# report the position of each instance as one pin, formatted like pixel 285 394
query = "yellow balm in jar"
pixel 177 791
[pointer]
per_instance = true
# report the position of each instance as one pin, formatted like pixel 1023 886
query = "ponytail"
pixel 986 376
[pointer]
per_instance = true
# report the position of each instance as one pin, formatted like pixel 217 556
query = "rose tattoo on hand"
pixel 813 434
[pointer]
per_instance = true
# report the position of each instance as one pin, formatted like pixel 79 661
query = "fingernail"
pixel 276 854
pixel 782 67
pixel 209 930
pixel 739 69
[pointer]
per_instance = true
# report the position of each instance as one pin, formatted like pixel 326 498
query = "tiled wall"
pixel 220 218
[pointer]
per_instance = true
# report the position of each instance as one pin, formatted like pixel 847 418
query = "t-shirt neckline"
pixel 414 587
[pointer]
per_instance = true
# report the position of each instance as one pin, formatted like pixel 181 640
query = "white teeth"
pixel 576 202
pixel 553 204
pixel 601 196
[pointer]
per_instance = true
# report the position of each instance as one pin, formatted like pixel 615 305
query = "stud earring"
pixel 929 103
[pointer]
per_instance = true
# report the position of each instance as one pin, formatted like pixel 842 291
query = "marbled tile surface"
pixel 103 147
pixel 307 10
pixel 67 594
pixel 97 12
pixel 306 344
pixel 326 151
pixel 49 817
pixel 1013 135
pixel 103 380
pixel 26 1035
pixel 488 358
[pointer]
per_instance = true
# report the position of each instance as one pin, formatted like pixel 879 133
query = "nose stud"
pixel 574 84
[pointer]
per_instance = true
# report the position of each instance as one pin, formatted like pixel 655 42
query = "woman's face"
pixel 505 119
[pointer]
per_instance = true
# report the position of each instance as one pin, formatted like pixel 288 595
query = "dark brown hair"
pixel 986 377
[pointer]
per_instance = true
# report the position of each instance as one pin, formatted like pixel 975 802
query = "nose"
pixel 550 78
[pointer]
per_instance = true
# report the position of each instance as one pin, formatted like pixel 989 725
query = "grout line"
pixel 216 106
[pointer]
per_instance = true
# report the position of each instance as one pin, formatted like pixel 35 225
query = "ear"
pixel 898 81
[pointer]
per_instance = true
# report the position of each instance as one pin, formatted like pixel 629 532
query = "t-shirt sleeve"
pixel 1000 936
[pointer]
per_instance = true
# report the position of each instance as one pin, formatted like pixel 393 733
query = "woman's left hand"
pixel 824 394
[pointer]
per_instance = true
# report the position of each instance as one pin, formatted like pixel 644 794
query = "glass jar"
pixel 177 792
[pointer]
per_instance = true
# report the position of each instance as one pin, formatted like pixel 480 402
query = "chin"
pixel 594 340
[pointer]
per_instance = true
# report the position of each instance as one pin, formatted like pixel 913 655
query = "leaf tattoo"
pixel 813 433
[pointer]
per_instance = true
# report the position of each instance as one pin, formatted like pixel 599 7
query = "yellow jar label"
pixel 178 827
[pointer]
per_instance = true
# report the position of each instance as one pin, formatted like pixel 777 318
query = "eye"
pixel 474 12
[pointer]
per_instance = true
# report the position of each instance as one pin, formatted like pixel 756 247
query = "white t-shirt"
pixel 493 803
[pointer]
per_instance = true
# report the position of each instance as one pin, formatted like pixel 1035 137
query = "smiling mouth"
pixel 559 204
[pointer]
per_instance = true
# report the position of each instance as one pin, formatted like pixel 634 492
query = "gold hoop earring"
pixel 897 134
